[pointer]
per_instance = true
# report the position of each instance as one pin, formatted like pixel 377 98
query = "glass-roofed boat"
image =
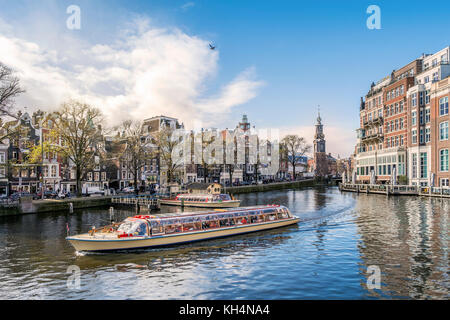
pixel 146 231
pixel 202 201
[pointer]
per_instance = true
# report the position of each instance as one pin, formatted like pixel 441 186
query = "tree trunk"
pixel 136 188
pixel 293 171
pixel 78 190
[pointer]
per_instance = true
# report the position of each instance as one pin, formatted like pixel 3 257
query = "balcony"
pixel 374 121
pixel 373 136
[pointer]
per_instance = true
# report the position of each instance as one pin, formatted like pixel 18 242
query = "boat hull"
pixel 223 204
pixel 84 243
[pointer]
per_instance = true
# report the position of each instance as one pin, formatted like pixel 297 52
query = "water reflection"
pixel 407 239
pixel 325 256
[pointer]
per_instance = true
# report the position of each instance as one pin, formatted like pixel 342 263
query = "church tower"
pixel 320 156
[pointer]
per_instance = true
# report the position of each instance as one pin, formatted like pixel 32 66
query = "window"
pixel 427 134
pixel 401 106
pixel 388 127
pixel 103 176
pixel 401 123
pixel 427 97
pixel 96 176
pixel 401 140
pixel 89 176
pixel 427 115
pixel 2 157
pixel 435 76
pixel 421 135
pixel 421 117
pixel 414 165
pixel 426 79
pixel 414 135
pixel 443 106
pixel 444 182
pixel 414 118
pixel 396 124
pixel 443 130
pixel 423 164
pixel 402 89
pixel 443 160
pixel 414 100
pixel 421 96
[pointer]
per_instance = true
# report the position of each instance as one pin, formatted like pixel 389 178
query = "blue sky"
pixel 283 57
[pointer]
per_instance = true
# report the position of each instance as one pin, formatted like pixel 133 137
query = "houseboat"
pixel 202 201
pixel 145 231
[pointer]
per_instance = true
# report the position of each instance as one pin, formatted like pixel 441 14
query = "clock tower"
pixel 320 156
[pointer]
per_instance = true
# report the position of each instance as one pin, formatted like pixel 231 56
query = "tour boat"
pixel 145 231
pixel 202 201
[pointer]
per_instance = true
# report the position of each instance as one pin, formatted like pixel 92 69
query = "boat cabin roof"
pixel 191 217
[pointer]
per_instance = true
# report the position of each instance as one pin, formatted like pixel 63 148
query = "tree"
pixel 295 148
pixel 137 150
pixel 9 90
pixel 166 142
pixel 78 126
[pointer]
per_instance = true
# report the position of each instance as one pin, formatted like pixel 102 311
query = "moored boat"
pixel 155 231
pixel 202 201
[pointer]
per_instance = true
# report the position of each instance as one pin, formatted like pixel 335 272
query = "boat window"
pixel 225 197
pixel 137 228
pixel 189 227
pixel 242 220
pixel 272 217
pixel 157 227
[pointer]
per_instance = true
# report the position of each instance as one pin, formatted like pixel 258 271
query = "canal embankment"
pixel 27 205
pixel 396 190
pixel 270 186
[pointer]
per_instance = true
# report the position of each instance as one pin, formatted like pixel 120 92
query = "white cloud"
pixel 187 5
pixel 147 71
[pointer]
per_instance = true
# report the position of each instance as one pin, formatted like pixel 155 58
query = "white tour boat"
pixel 154 231
pixel 202 201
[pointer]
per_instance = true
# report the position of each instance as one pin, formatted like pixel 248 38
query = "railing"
pixel 142 200
pixel 396 189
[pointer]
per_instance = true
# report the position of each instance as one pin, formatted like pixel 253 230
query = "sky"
pixel 275 61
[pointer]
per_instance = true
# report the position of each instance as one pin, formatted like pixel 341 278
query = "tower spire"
pixel 319 119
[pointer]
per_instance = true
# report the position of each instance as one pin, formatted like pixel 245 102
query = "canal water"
pixel 334 253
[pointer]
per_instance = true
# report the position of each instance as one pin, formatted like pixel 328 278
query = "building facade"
pixel 401 125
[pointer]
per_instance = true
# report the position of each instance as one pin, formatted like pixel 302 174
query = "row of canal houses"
pixel 110 171
pixel 404 125
pixel 56 173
